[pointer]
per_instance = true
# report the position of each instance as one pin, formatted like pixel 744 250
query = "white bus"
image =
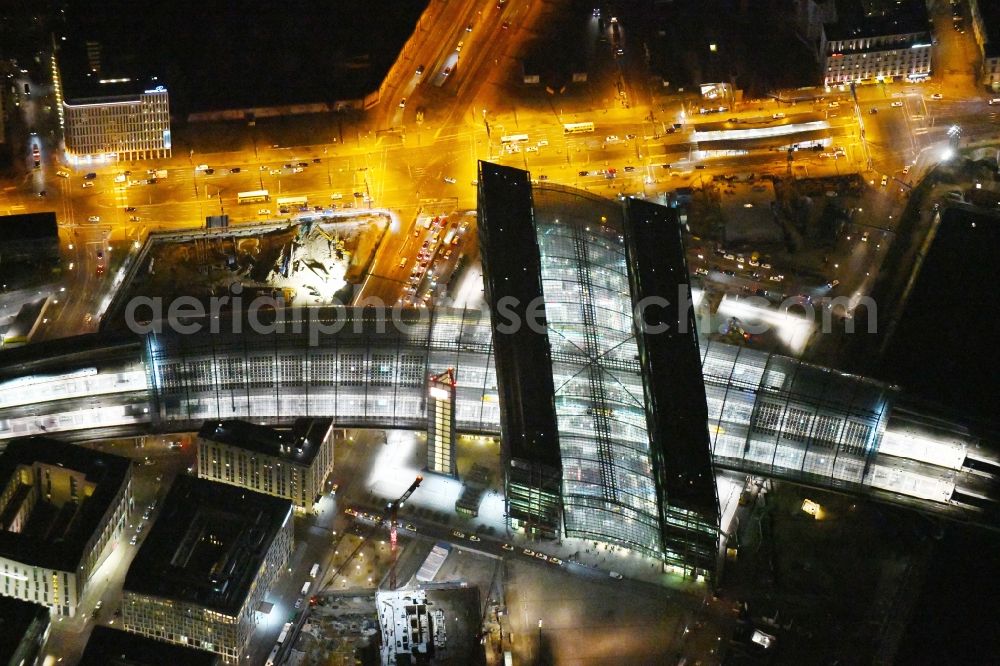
pixel 292 201
pixel 314 571
pixel 578 128
pixel 284 633
pixel 253 196
pixel 514 138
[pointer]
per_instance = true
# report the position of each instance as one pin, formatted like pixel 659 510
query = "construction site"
pixel 306 262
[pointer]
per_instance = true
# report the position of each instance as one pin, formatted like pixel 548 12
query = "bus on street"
pixel 578 128
pixel 253 196
pixel 514 138
pixel 292 201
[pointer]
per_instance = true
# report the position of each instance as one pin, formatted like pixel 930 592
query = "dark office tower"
pixel 676 412
pixel 512 276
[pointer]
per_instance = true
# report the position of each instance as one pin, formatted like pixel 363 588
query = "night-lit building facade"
pixel 291 463
pixel 206 565
pixel 441 423
pixel 613 456
pixel 121 127
pixel 60 507
pixel 871 48
pixel 106 112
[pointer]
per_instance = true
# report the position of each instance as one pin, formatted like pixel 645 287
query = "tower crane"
pixel 392 515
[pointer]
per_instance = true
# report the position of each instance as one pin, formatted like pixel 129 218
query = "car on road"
pixel 733 120
pixel 906 169
pixel 611 138
pixel 402 103
pixel 555 560
pixel 88 184
pixel 541 556
pixel 336 196
pixel 885 180
pixel 209 172
pixel 832 283
pixel 460 535
pixel 411 527
pixel 833 105
pixel 133 540
pixel 995 100
pixel 235 170
pixel 528 552
pixel 873 111
pixel 777 116
pixel 420 70
pixel 505 25
pixel 450 181
pixel 90 176
pixel 402 262
pixel 776 278
pixel 473 537
pixel 95 218
pixel 298 603
pixel 129 209
pixel 701 271
pixel 134 218
pixel 458 48
pixel 615 575
pixel 729 273
pixel 896 105
pixel 584 173
pixel 937 96
pixel 263 211
pixel 507 546
pixel 468 28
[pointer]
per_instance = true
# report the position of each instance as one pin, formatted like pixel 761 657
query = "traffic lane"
pixel 478 542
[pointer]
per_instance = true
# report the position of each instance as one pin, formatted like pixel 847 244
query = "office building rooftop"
pixel 207 544
pixel 297 445
pixel 871 18
pixel 64 519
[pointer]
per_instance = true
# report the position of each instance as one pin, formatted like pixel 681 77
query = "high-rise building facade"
pixel 60 507
pixel 206 565
pixel 603 429
pixel 293 464
pixel 878 45
pixel 121 127
pixel 441 423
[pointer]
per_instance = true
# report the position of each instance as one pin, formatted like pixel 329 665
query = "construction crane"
pixel 392 515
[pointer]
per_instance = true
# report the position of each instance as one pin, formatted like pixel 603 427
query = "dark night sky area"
pixel 214 54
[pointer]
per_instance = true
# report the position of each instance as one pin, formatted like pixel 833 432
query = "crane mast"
pixel 392 513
